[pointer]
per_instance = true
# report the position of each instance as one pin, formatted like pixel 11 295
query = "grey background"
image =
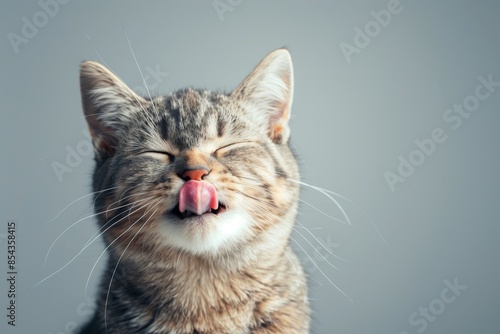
pixel 350 123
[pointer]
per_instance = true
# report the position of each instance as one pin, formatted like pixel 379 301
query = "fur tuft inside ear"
pixel 108 104
pixel 269 88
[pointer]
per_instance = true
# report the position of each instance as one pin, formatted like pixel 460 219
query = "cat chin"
pixel 207 233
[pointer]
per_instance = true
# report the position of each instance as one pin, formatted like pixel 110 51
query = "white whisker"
pixel 76 200
pixel 80 252
pixel 322 212
pixel 327 191
pixel 302 226
pixel 294 268
pixel 75 223
pixel 257 203
pixel 362 211
pixel 118 262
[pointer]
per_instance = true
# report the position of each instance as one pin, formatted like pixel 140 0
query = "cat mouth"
pixel 188 214
pixel 197 198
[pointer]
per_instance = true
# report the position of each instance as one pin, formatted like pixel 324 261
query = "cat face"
pixel 199 171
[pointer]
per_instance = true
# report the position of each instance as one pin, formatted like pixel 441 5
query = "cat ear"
pixel 269 88
pixel 108 105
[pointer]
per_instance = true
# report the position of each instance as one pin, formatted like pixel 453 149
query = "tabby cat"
pixel 195 203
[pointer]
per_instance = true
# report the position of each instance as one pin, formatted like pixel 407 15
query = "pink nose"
pixel 194 174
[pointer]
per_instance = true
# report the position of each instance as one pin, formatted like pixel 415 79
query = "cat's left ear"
pixel 269 90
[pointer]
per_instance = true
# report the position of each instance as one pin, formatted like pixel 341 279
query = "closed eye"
pixel 226 148
pixel 162 155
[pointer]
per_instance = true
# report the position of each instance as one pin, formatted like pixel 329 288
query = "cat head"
pixel 198 171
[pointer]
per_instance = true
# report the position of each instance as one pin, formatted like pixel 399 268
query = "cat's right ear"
pixel 108 105
pixel 269 90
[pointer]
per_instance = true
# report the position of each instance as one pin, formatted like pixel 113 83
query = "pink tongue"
pixel 197 197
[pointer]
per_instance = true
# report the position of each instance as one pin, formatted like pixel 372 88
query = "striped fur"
pixel 233 272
